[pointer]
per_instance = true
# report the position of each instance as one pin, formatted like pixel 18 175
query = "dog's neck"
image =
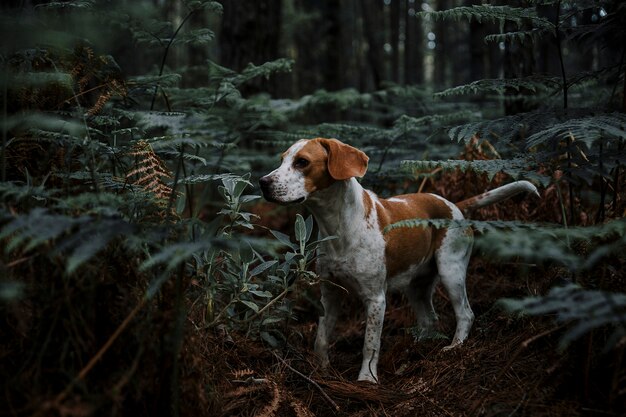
pixel 338 211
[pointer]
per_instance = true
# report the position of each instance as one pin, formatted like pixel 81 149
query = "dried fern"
pixel 149 171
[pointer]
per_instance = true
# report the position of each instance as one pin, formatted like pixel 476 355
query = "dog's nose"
pixel 265 182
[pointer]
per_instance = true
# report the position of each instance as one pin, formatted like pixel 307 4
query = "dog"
pixel 321 174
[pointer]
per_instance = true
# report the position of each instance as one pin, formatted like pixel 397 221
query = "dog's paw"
pixel 455 344
pixel 367 378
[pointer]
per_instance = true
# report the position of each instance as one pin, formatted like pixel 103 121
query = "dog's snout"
pixel 265 182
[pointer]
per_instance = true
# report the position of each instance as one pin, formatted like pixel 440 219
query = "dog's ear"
pixel 344 161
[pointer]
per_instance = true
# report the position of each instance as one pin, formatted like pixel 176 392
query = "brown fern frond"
pixel 299 408
pixel 270 409
pixel 102 100
pixel 242 373
pixel 244 390
pixel 149 171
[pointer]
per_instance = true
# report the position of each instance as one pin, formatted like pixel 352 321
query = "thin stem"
pixel 3 157
pixel 559 48
pixel 600 214
pixel 179 168
pixel 92 362
pixel 167 49
pixel 268 305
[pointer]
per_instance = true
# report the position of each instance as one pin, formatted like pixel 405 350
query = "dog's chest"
pixel 356 261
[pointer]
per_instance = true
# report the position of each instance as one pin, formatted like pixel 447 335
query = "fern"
pixel 149 171
pixel 264 70
pixel 535 84
pixel 582 310
pixel 587 130
pixel 72 4
pixel 495 14
pixel 554 244
pixel 537 242
pixel 520 36
pixel 517 168
pixel 79 237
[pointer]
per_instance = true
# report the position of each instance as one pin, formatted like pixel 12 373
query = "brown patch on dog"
pixel 404 244
pixel 367 205
pixel 344 161
pixel 316 176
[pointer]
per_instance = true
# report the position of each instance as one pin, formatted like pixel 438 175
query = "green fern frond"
pixel 535 84
pixel 517 168
pixel 520 36
pixel 557 244
pixel 263 70
pixel 73 4
pixel 583 310
pixel 587 129
pixel 494 14
pixel 407 123
pixel 165 80
pixel 479 225
pixel 80 238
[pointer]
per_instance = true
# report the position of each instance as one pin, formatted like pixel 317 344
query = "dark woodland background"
pixel 142 274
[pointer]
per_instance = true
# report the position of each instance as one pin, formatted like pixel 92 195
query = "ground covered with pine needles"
pixel 124 350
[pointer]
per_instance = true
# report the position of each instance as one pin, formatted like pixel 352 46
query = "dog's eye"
pixel 300 163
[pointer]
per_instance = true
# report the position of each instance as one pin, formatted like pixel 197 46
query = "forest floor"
pixel 508 366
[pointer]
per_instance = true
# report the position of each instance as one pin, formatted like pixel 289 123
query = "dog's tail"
pixel 496 195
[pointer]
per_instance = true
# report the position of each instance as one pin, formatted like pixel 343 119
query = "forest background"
pixel 142 274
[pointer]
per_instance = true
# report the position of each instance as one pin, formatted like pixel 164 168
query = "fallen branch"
pixel 309 380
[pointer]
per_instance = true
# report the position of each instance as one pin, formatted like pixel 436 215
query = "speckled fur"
pixel 364 261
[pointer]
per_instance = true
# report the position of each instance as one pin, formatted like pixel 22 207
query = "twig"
pixel 430 174
pixel 167 49
pixel 522 347
pixel 559 48
pixel 268 305
pixel 92 362
pixel 309 380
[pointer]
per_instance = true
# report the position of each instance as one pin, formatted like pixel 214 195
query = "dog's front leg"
pixel 331 301
pixel 375 307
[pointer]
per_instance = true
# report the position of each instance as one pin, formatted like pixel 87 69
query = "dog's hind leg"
pixel 420 296
pixel 452 259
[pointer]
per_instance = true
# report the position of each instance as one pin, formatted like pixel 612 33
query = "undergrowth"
pixel 138 278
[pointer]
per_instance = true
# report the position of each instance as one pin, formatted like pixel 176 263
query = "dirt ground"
pixel 509 366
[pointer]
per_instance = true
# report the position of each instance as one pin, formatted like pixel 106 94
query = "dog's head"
pixel 310 165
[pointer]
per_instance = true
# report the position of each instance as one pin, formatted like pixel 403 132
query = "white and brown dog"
pixel 320 173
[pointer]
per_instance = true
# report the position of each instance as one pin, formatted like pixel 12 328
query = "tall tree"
pixel 441 49
pixel 320 46
pixel 519 61
pixel 373 20
pixel 413 46
pixel 250 33
pixel 477 47
pixel 394 39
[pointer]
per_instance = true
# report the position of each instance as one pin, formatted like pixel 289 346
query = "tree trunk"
pixel 477 47
pixel 374 33
pixel 413 46
pixel 394 41
pixel 441 59
pixel 250 33
pixel 519 61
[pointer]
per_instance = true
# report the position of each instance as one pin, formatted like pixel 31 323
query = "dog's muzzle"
pixel 266 184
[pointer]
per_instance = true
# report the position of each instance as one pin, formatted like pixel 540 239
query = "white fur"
pixel 288 185
pixel 355 261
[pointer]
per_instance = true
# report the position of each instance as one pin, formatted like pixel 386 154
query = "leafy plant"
pixel 581 309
